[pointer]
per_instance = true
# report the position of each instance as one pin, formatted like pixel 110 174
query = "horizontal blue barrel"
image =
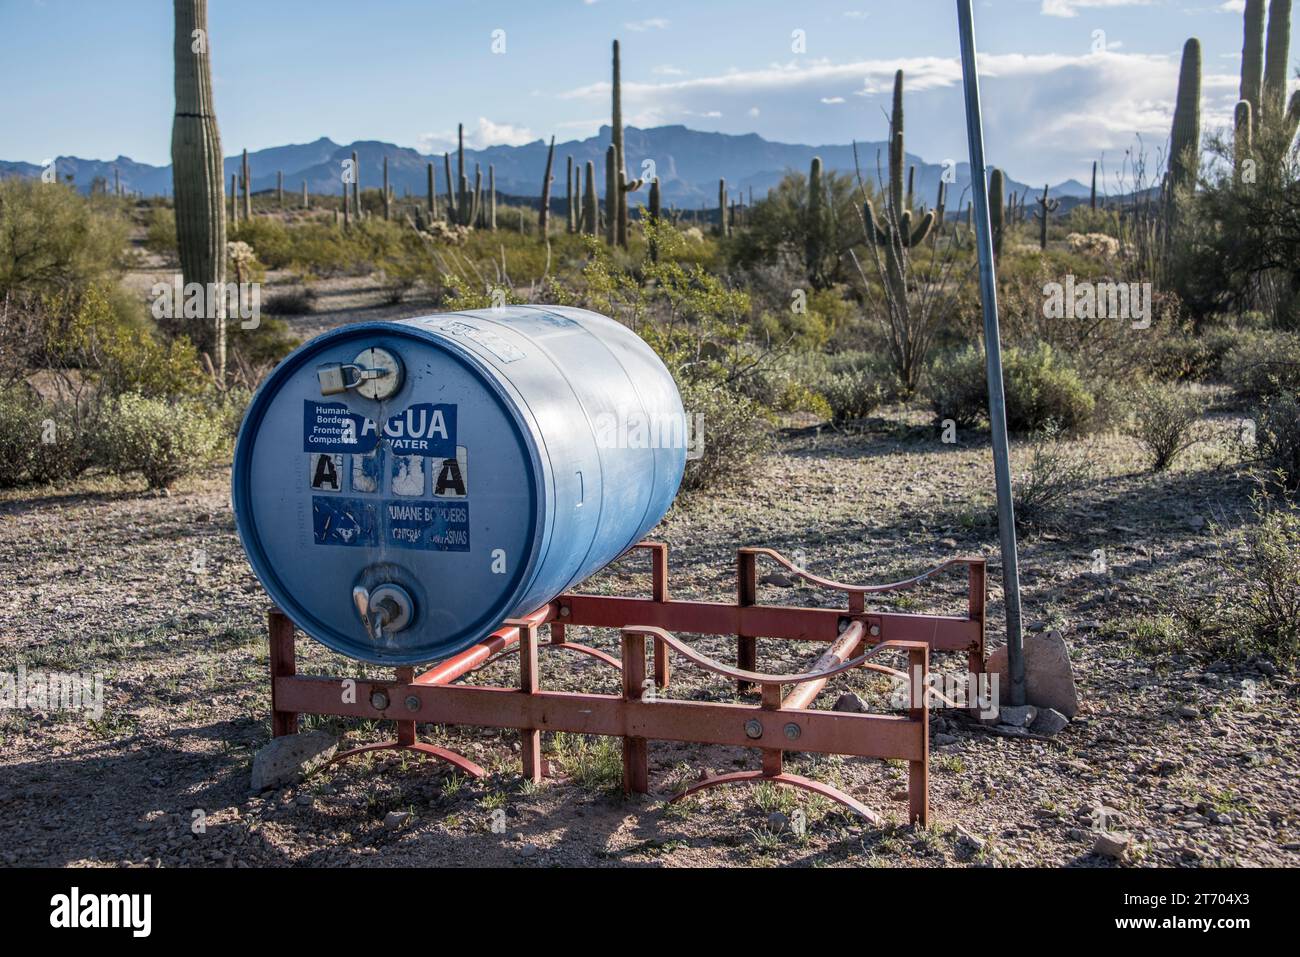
pixel 520 451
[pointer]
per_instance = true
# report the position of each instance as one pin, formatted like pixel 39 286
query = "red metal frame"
pixel 774 724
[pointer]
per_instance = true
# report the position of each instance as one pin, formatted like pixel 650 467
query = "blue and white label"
pixel 429 526
pixel 330 427
pixel 423 429
pixel 344 521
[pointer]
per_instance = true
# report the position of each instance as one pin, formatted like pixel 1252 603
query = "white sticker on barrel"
pixel 326 472
pixel 368 471
pixel 408 475
pixel 451 476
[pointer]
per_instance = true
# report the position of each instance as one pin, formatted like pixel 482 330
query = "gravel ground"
pixel 1194 760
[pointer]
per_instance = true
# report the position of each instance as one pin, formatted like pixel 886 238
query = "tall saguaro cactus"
pixel 356 186
pixel 1046 207
pixel 1185 137
pixel 611 195
pixel 618 212
pixel 895 231
pixel 248 189
pixel 492 198
pixel 590 204
pixel 1252 55
pixel 817 228
pixel 198 182
pixel 544 217
pixel 570 210
pixel 1273 100
pixel 655 212
pixel 722 209
pixel 387 195
pixel 997 211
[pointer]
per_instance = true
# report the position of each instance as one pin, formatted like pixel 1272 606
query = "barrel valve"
pixel 387 608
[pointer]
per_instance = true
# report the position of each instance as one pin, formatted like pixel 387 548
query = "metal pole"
pixel 993 351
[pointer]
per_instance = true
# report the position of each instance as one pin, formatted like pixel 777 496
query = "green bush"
pixel 958 387
pixel 160 439
pixel 54 240
pixel 733 433
pixel 852 395
pixel 1264 364
pixel 1041 390
pixel 41 442
pixel 160 232
pixel 1163 420
pixel 1277 437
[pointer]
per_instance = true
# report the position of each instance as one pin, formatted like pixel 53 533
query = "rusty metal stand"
pixel 854 637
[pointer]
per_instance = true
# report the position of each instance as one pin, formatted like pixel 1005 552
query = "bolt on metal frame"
pixel 777 723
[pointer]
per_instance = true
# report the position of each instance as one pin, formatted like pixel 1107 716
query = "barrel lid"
pixel 434 489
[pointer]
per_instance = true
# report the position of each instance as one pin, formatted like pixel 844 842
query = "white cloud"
pixel 485 133
pixel 1233 6
pixel 1047 116
pixel 654 23
pixel 1070 8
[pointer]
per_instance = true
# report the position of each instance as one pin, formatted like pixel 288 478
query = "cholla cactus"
pixel 198 183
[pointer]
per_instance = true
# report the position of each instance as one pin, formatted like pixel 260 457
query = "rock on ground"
pixel 286 760
pixel 1049 677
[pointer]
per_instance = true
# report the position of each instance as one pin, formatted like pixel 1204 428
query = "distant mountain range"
pixel 689 164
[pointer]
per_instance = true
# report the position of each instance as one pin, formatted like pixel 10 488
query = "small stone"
pixel 777 821
pixel 940 740
pixel 287 759
pixel 1020 716
pixel 1223 820
pixel 1111 845
pixel 529 850
pixel 777 579
pixel 851 703
pixel 395 819
pixel 1048 722
pixel 1189 712
pixel 305 799
pixel 968 840
pixel 1091 624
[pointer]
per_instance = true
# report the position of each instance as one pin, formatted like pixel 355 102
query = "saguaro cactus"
pixel 1185 138
pixel 306 199
pixel 234 199
pixel 1092 198
pixel 544 217
pixel 431 197
pixel 492 197
pixel 895 232
pixel 279 188
pixel 388 197
pixel 451 196
pixel 611 196
pixel 1252 55
pixel 198 183
pixel 591 205
pixel 1045 209
pixel 570 210
pixel 997 210
pixel 1273 100
pixel 356 186
pixel 248 189
pixel 618 212
pixel 654 214
pixel 817 227
pixel 1243 137
pixel 722 208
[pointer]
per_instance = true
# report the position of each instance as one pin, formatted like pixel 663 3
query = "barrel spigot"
pixel 385 608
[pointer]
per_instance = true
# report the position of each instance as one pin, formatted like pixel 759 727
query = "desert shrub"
pixel 1163 420
pixel 1042 391
pixel 41 441
pixel 1192 358
pixel 1265 568
pixel 1277 437
pixel 1055 471
pixel 53 240
pixel 295 301
pixel 852 394
pixel 1263 364
pixel 160 232
pixel 162 440
pixel 733 433
pixel 957 386
pixel 271 240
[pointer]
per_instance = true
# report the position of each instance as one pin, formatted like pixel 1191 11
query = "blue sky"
pixel 93 79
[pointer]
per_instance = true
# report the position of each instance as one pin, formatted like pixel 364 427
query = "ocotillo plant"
pixel 198 183
pixel 591 205
pixel 1045 209
pixel 654 214
pixel 388 196
pixel 248 189
pixel 544 217
pixel 997 208
pixel 722 208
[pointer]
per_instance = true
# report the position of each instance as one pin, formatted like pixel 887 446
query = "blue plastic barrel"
pixel 523 450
